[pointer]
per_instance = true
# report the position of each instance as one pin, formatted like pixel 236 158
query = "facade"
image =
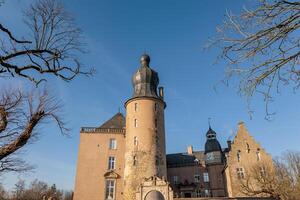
pixel 125 157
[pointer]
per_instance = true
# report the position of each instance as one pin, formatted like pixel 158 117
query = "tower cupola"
pixel 145 80
pixel 212 144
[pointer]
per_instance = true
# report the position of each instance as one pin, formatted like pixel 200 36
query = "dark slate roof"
pixel 212 145
pixel 184 159
pixel 117 121
pixel 145 80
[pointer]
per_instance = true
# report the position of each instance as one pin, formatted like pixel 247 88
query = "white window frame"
pixel 111 163
pixel 206 193
pixel 262 171
pixel 197 178
pixel 176 180
pixel 112 143
pixel 205 177
pixel 240 173
pixel 110 189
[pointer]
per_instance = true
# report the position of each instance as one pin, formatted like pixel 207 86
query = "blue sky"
pixel 173 32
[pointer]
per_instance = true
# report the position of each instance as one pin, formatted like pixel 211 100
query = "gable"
pixel 117 121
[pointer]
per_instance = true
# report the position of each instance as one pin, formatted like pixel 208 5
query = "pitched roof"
pixel 117 121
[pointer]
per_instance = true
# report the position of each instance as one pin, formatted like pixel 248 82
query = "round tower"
pixel 145 154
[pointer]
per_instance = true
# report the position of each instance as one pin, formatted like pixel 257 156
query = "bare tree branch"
pixel 280 181
pixel 2 28
pixel 23 115
pixel 261 47
pixel 55 42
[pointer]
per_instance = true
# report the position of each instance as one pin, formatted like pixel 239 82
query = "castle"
pixel 125 157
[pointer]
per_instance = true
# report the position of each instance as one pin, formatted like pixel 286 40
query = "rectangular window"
pixel 238 155
pixel 207 193
pixel 135 141
pixel 110 190
pixel 155 123
pixel 112 143
pixel 197 178
pixel 262 171
pixel 205 177
pixel 134 161
pixel 240 173
pixel 198 193
pixel 135 107
pixel 111 163
pixel 258 155
pixel 135 123
pixel 155 106
pixel 175 180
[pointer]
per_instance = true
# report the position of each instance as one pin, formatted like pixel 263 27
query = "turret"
pixel 213 150
pixel 145 154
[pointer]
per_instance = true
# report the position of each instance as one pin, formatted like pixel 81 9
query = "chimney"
pixel 190 150
pixel 229 144
pixel 161 92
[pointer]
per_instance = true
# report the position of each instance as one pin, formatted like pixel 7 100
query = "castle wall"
pixel 92 165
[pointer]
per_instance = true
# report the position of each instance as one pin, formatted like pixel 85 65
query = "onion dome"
pixel 212 144
pixel 145 80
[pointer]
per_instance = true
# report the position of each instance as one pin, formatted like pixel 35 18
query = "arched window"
pixel 258 157
pixel 135 123
pixel 238 155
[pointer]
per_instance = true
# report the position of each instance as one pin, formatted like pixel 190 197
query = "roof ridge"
pixel 117 121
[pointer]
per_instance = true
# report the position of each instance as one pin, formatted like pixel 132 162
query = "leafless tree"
pixel 20 118
pixel 262 47
pixel 51 46
pixel 281 181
